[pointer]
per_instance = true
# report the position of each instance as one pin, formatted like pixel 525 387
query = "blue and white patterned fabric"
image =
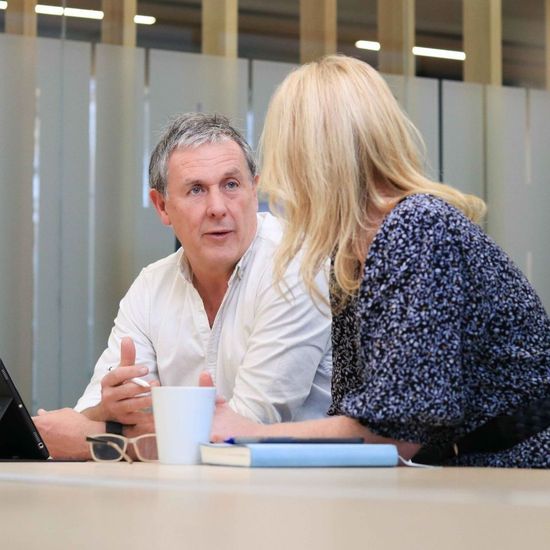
pixel 444 334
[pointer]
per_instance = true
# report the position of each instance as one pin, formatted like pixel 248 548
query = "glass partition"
pixel 463 137
pixel 77 124
pixel 17 162
pixel 508 185
pixel 419 97
pixel 266 76
pixel 538 140
pixel 63 213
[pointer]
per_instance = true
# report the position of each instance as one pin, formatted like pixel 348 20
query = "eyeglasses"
pixel 112 448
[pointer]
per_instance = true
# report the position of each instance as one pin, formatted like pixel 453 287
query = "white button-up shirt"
pixel 269 354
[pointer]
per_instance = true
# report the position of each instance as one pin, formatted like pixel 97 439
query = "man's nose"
pixel 215 207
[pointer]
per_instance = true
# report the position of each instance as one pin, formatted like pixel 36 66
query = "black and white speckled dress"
pixel 444 334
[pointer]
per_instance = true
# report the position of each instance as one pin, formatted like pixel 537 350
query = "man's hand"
pixel 64 432
pixel 119 395
pixel 227 423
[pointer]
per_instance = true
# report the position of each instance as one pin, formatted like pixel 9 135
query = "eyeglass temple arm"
pixel 126 457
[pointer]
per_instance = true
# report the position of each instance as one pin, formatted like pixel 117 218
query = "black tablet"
pixel 19 438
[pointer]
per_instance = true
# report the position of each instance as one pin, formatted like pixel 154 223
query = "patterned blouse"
pixel 444 334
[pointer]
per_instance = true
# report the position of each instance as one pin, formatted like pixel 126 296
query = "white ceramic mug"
pixel 183 420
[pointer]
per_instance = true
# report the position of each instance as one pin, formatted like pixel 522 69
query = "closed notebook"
pixel 299 455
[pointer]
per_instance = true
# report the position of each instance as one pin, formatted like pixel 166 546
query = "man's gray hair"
pixel 192 130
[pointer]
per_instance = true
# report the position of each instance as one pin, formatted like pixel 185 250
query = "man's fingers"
pixel 134 404
pixel 125 411
pixel 205 380
pixel 127 352
pixel 119 376
pixel 136 418
pixel 41 412
pixel 118 397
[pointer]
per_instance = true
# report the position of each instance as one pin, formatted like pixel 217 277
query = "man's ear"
pixel 256 181
pixel 159 201
pixel 255 185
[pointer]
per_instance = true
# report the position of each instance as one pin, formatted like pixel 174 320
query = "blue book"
pixel 299 455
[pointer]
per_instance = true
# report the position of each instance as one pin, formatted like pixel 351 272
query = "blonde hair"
pixel 337 155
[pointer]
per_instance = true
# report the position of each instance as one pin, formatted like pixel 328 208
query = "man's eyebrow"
pixel 230 173
pixel 191 183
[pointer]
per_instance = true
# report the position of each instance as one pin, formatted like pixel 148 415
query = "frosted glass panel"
pixel 396 84
pixel 181 82
pixel 419 97
pixel 62 342
pixel 17 91
pixel 76 300
pixel 47 347
pixel 508 189
pixel 120 79
pixel 463 147
pixel 266 76
pixel 539 203
pixel 422 105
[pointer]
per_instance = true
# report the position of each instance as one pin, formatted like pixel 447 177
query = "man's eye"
pixel 195 190
pixel 231 185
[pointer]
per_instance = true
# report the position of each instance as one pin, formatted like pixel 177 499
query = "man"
pixel 211 306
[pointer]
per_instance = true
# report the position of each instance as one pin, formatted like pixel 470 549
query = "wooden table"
pixel 98 506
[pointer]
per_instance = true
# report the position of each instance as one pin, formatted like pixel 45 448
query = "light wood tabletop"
pixel 97 506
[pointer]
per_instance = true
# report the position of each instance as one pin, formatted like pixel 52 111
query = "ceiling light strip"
pixel 42 9
pixel 45 9
pixel 368 45
pixel 144 19
pixel 417 50
pixel 440 54
pixel 84 14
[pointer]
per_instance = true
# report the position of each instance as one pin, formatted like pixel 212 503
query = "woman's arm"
pixel 227 423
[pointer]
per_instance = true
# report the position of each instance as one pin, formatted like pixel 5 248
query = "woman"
pixel 435 332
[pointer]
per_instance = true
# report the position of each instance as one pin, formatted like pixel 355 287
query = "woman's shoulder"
pixel 426 209
pixel 428 218
pixel 425 218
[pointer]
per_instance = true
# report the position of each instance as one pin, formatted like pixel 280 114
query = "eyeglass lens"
pixel 146 447
pixel 104 451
